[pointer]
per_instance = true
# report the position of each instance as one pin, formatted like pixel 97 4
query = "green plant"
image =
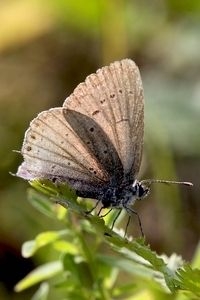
pixel 94 262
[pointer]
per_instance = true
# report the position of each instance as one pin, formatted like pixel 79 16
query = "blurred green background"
pixel 46 49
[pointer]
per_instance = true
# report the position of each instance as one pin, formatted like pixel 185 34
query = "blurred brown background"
pixel 46 49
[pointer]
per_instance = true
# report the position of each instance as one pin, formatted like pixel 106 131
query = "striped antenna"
pixel 148 182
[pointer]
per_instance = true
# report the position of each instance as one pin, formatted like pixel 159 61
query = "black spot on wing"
pixel 95 112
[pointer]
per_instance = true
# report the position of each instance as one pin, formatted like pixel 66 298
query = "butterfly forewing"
pixel 113 97
pixel 52 150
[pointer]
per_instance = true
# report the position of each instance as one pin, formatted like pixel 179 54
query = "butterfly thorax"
pixel 123 196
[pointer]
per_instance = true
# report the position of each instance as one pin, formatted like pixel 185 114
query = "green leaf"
pixel 128 266
pixel 196 259
pixel 30 247
pixel 41 273
pixel 48 188
pixel 42 293
pixel 79 269
pixel 189 279
pixel 65 247
pixel 41 203
pixel 138 247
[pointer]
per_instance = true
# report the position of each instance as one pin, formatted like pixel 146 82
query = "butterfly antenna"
pixel 148 182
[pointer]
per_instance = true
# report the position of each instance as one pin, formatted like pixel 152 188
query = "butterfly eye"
pixel 143 191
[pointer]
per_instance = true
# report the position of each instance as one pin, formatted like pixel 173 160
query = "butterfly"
pixel 94 142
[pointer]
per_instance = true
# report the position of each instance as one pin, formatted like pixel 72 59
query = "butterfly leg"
pixel 127 224
pixel 63 203
pixel 129 210
pixel 93 208
pixel 115 219
pixel 105 213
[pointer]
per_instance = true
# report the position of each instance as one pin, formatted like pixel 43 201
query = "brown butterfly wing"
pixel 113 98
pixel 52 150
